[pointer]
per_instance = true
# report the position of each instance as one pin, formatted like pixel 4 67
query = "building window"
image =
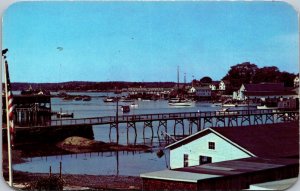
pixel 211 145
pixel 185 160
pixel 204 160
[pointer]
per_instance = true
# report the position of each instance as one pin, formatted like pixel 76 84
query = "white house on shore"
pixel 223 144
pixel 296 81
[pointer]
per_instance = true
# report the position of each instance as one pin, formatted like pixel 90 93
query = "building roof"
pixel 177 176
pixel 215 83
pixel 269 140
pixel 203 88
pixel 274 185
pixel 220 169
pixel 238 166
pixel 264 87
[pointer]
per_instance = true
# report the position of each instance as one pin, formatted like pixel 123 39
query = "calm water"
pixel 113 163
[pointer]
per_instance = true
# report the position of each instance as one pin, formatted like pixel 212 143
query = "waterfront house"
pixel 296 81
pixel 223 84
pixel 214 85
pixel 222 144
pixel 229 158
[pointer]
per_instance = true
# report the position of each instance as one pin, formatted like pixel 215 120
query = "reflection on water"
pixel 103 163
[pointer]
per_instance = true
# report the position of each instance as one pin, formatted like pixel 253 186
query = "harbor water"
pixel 114 163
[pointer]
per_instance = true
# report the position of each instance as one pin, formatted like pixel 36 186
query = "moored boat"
pixel 64 115
pixel 226 111
pixel 86 98
pixel 109 99
pixel 265 107
pixel 180 102
pixel 134 105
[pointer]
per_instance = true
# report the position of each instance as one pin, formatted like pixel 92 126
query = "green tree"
pixel 240 74
pixel 206 80
pixel 267 74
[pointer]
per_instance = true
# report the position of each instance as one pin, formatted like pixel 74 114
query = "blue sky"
pixel 146 41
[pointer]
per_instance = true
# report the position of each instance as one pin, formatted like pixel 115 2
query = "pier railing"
pixel 171 116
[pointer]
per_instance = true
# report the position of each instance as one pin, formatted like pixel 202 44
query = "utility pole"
pixel 117 120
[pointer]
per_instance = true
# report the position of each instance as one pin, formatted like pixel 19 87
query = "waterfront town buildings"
pixel 263 91
pixel 230 158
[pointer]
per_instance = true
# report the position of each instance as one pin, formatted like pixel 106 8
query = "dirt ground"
pixel 88 182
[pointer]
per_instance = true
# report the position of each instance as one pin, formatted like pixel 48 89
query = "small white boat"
pixel 109 99
pixel 226 111
pixel 126 99
pixel 180 102
pixel 229 105
pixel 64 115
pixel 265 107
pixel 134 105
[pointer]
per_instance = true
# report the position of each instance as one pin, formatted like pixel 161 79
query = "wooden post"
pixel 117 123
pixel 60 168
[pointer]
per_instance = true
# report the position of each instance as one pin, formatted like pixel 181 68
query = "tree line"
pixel 237 75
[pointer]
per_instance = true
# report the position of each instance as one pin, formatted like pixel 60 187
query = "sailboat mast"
pixel 177 78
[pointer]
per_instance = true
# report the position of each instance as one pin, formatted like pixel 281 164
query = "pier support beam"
pixel 192 121
pixel 232 119
pixel 244 119
pixel 257 119
pixel 220 119
pixel 148 124
pixel 269 117
pixel 178 121
pixel 207 120
pixel 131 124
pixel 162 123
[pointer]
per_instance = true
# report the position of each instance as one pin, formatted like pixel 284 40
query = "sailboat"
pixel 179 101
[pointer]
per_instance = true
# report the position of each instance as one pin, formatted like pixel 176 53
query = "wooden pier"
pixel 196 120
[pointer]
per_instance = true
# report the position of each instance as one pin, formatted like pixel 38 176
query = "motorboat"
pixel 64 115
pixel 126 99
pixel 265 107
pixel 134 105
pixel 109 99
pixel 86 98
pixel 226 111
pixel 180 102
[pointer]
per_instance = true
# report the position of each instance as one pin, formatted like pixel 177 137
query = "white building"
pixel 208 147
pixel 214 85
pixel 222 85
pixel 262 91
pixel 222 144
pixel 296 81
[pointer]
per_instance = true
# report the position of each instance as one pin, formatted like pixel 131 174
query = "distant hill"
pixel 92 86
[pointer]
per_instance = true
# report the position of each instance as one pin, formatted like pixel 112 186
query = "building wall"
pixel 155 184
pixel 223 151
pixel 203 92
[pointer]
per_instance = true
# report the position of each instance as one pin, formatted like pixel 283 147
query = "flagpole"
pixel 10 178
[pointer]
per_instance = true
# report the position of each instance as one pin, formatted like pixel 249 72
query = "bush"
pixel 47 183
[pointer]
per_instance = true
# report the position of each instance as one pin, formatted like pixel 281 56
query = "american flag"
pixel 10 105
